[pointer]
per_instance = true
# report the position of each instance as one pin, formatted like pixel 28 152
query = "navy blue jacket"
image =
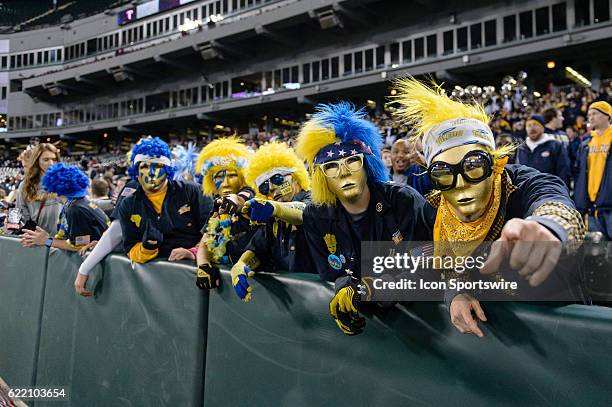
pixel 282 247
pixel 550 157
pixel 395 212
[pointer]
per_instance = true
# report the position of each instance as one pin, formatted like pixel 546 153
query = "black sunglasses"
pixel 276 179
pixel 475 167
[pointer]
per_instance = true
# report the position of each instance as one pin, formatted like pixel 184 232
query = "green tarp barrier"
pixel 139 342
pixel 22 279
pixel 151 338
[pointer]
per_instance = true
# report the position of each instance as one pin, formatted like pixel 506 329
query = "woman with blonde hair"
pixel 37 207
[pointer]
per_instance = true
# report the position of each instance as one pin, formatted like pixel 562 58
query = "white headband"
pixel 456 132
pixel 152 160
pixel 270 173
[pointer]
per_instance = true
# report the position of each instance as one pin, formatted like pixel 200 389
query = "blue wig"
pixel 184 161
pixel 154 147
pixel 65 180
pixel 351 124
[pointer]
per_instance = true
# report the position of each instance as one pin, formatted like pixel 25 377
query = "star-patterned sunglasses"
pixel 332 169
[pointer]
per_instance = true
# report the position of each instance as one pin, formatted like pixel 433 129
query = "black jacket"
pixel 184 214
pixel 395 213
pixel 282 247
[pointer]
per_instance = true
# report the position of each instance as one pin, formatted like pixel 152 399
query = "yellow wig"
pixel 423 107
pixel 273 155
pixel 228 153
pixel 313 137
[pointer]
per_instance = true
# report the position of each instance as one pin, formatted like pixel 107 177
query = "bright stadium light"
pixel 577 76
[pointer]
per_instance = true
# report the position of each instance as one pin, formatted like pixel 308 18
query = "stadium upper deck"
pixel 116 70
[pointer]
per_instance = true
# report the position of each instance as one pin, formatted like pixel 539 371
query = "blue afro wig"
pixel 350 123
pixel 65 180
pixel 154 147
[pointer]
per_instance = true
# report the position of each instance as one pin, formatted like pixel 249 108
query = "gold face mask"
pixel 469 201
pixel 346 178
pixel 284 192
pixel 227 182
pixel 152 176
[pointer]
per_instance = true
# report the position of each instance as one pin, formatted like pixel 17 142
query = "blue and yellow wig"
pixel 152 147
pixel 65 180
pixel 339 123
pixel 227 153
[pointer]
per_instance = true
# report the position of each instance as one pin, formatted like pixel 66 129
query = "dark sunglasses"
pixel 276 179
pixel 475 167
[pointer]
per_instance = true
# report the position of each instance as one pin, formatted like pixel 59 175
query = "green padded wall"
pixel 283 349
pixel 139 342
pixel 22 279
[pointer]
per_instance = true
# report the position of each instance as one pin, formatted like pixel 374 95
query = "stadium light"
pixel 551 64
pixel 577 77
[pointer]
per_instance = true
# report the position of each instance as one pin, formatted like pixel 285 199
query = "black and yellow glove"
pixel 208 276
pixel 343 308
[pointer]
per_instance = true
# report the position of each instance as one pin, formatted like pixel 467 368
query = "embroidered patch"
pixel 136 219
pixel 546 154
pixel 82 240
pixel 379 207
pixel 127 191
pixel 184 209
pixel 330 241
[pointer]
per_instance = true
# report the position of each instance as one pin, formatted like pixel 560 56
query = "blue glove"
pixel 240 273
pixel 261 210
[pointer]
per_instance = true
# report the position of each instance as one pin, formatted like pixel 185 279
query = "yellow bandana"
pixel 464 237
pixel 599 148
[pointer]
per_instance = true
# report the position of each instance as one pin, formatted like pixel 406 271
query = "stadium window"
pixel 526 24
pixel 380 57
pixel 218 7
pixel 12 61
pixel 225 89
pixel 242 4
pixel 82 46
pixel 175 21
pixel 188 14
pixel 286 78
pixel 203 93
pixel 475 36
pixel 462 39
pixel 181 18
pixel 335 67
pixel 583 15
pixel 167 23
pixel 325 69
pixel 39 57
pixel 559 17
pixel 4 61
pixel 510 28
pixel 316 66
pixel 225 7
pixel 369 59
pixel 129 36
pixel 295 74
pixel 277 79
pixel 358 62
pixel 448 39
pixel 419 48
pixel 19 61
pixel 490 28
pixel 211 10
pixel 59 55
pixel 268 80
pixel 407 51
pixel 432 46
pixel 234 4
pixel 306 73
pixel 195 14
pixel 3 92
pixel 394 51
pixel 542 21
pixel 348 64
pixel 103 43
pixel 52 56
pixel 601 11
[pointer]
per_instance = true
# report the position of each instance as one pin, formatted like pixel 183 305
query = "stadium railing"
pixel 150 337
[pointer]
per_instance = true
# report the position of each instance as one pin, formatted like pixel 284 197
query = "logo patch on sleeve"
pixel 82 240
pixel 184 209
pixel 136 219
